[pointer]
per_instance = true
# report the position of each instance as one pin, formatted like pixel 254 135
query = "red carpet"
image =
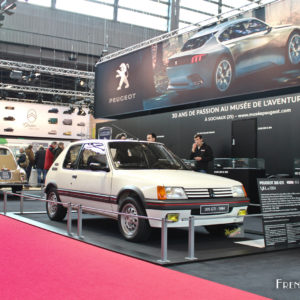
pixel 37 264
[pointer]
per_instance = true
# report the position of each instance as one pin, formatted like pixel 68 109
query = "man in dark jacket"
pixel 58 150
pixel 49 158
pixel 40 162
pixel 22 158
pixel 201 153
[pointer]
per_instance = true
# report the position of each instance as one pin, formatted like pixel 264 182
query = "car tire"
pixel 222 229
pixel 223 74
pixel 16 189
pixel 293 56
pixel 132 228
pixel 55 211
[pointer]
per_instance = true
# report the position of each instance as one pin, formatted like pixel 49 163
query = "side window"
pixel 232 32
pixel 256 26
pixel 238 30
pixel 71 157
pixel 92 153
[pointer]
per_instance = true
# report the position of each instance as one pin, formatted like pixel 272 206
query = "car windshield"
pixel 132 155
pixel 196 42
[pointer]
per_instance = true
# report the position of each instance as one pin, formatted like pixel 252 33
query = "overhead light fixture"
pixel 72 57
pixel 3 94
pixel 57 98
pixel 40 98
pixel 16 74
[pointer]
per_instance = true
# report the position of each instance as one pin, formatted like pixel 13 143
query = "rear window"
pixel 4 152
pixel 196 42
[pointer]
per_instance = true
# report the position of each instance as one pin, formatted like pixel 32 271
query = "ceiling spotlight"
pixel 57 98
pixel 3 94
pixel 40 98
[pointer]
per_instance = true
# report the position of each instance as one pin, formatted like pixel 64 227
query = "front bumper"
pixel 186 208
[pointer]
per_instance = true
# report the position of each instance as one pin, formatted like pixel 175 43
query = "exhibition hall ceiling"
pixel 23 83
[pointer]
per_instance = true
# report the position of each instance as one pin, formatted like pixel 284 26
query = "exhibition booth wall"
pixel 277 120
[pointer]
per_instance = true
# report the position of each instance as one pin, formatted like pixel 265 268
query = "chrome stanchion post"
pixel 22 203
pixel 42 191
pixel 164 241
pixel 69 219
pixel 5 202
pixel 79 222
pixel 191 254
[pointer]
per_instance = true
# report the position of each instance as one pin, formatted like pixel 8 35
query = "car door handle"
pixel 74 176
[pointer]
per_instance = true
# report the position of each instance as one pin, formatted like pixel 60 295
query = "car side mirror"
pixel 99 167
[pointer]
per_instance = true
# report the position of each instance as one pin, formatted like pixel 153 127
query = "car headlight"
pixel 164 193
pixel 239 191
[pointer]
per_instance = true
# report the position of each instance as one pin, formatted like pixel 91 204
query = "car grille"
pixel 180 61
pixel 196 193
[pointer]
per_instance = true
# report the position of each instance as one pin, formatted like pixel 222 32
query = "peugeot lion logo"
pixel 123 74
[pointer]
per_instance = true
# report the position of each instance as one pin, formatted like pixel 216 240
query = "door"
pixel 244 138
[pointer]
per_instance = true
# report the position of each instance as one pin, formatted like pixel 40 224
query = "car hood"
pixel 179 178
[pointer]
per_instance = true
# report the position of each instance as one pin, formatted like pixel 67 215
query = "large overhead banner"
pixel 236 57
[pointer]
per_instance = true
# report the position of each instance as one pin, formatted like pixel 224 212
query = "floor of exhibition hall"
pixel 240 261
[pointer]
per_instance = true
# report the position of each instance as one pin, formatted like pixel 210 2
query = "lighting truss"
pixel 41 90
pixel 218 18
pixel 7 64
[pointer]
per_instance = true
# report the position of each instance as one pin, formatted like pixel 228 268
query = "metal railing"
pixel 164 227
pixel 79 208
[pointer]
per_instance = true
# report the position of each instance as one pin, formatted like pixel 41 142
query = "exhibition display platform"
pixel 104 233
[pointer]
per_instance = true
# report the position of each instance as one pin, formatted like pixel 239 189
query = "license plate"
pixel 5 175
pixel 214 209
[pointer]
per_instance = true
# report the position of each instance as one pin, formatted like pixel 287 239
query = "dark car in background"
pixel 215 56
pixel 53 111
pixel 9 118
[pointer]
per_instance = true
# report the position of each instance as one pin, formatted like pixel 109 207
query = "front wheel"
pixel 223 75
pixel 293 49
pixel 55 211
pixel 132 228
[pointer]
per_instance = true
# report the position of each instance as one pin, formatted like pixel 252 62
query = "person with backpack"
pixel 23 159
pixel 40 162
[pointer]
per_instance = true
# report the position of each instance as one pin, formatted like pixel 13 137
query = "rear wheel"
pixel 55 210
pixel 223 75
pixel 133 229
pixel 293 48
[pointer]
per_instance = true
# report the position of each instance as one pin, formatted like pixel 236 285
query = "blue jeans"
pixel 39 177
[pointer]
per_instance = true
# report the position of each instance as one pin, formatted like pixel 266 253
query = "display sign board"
pixel 280 205
pixel 41 120
pixel 227 59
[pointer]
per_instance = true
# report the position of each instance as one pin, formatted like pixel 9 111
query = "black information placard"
pixel 280 205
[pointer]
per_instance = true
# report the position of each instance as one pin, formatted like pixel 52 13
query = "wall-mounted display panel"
pixel 40 120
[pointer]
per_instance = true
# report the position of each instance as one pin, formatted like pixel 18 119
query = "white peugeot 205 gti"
pixel 139 178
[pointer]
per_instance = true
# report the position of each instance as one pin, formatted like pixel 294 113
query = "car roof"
pixel 105 141
pixel 4 147
pixel 220 27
